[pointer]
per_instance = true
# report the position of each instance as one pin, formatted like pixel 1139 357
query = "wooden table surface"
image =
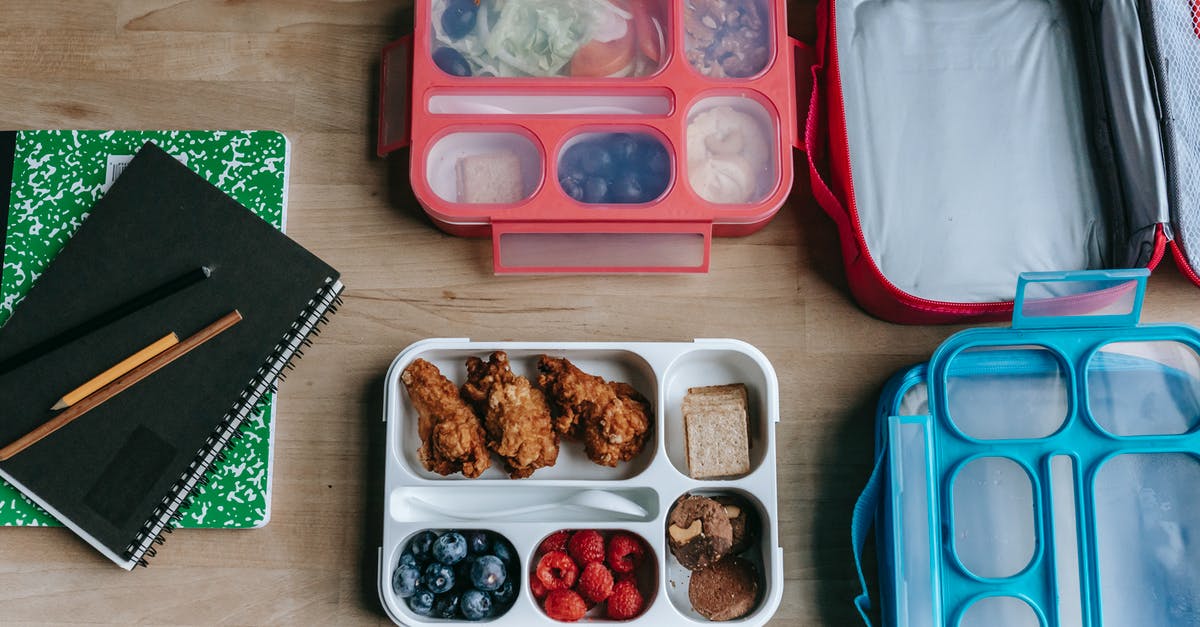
pixel 308 68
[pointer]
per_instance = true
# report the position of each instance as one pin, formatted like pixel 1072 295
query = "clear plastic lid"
pixel 549 38
pixel 484 167
pixel 731 155
pixel 1051 481
pixel 1146 517
pixel 728 38
pixel 614 168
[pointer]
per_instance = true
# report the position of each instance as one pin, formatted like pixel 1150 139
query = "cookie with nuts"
pixel 743 520
pixel 698 531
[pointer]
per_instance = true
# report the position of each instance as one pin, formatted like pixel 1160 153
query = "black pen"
pixel 100 321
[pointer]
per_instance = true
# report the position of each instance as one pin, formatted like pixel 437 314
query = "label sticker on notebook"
pixel 118 163
pixel 129 476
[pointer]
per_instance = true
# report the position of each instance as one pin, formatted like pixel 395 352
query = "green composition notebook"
pixel 57 176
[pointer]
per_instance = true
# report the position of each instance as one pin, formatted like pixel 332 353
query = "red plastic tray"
pixel 549 231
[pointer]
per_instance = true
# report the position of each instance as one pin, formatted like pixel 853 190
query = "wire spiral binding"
pixel 178 498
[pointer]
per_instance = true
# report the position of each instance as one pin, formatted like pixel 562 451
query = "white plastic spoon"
pixel 588 499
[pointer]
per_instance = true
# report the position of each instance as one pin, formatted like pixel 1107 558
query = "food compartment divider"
pixel 651 101
pixel 443 159
pixel 660 477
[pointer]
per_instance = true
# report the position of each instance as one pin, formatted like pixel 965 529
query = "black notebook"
pixel 119 474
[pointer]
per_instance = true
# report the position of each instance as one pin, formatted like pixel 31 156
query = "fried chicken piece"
pixel 612 419
pixel 452 439
pixel 515 415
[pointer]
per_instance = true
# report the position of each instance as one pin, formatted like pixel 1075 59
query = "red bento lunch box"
pixel 514 150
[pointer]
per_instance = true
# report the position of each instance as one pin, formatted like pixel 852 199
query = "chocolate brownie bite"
pixel 727 590
pixel 698 531
pixel 742 518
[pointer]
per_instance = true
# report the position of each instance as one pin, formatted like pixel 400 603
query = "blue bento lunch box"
pixel 1044 474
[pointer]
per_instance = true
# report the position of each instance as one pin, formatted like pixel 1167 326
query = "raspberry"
pixel 596 582
pixel 586 546
pixel 625 552
pixel 625 601
pixel 630 576
pixel 557 571
pixel 565 605
pixel 556 541
pixel 535 586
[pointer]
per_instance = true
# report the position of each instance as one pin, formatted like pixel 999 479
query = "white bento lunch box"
pixel 654 479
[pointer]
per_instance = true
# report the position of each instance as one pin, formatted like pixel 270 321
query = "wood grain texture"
pixel 306 67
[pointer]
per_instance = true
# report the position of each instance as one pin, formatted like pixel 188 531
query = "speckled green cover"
pixel 57 177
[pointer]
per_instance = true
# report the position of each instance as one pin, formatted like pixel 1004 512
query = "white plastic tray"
pixel 662 372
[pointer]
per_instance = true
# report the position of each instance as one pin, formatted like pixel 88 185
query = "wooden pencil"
pixel 120 384
pixel 110 375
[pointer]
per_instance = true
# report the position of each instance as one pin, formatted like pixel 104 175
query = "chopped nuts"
pixel 728 38
pixel 683 536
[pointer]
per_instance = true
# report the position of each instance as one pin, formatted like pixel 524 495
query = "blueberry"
pixel 450 548
pixel 462 574
pixel 421 602
pixel 624 148
pixel 653 158
pixel 408 558
pixel 572 158
pixel 627 188
pixel 596 160
pixel 504 595
pixel 405 580
pixel 655 184
pixel 421 544
pixel 476 605
pixel 572 187
pixel 438 578
pixel 595 190
pixel 503 550
pixel 478 542
pixel 459 18
pixel 488 573
pixel 451 62
pixel 575 174
pixel 445 606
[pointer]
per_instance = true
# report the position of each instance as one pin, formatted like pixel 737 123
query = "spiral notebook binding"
pixel 178 499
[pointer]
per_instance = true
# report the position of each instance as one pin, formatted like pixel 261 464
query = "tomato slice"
pixel 648 33
pixel 604 58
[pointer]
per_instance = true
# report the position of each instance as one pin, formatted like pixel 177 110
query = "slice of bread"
pixel 716 430
pixel 732 394
pixel 490 178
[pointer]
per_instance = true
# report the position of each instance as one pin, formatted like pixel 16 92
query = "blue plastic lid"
pixel 1049 478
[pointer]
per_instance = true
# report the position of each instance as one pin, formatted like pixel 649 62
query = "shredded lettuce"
pixel 524 37
pixel 539 37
